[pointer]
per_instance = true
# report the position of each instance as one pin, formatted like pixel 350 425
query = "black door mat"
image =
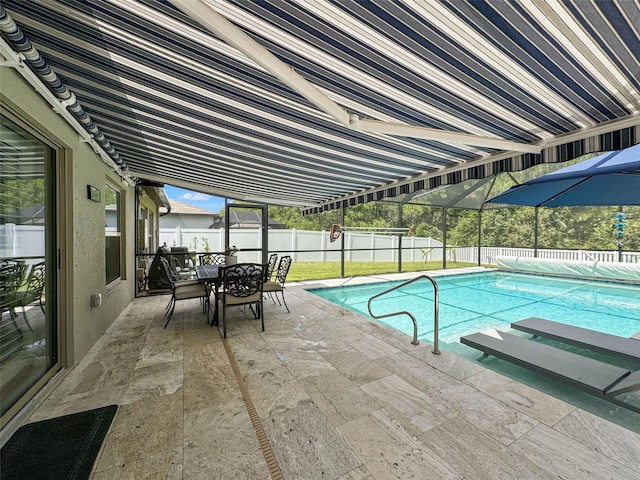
pixel 62 448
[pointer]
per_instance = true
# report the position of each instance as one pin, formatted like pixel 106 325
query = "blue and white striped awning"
pixel 185 103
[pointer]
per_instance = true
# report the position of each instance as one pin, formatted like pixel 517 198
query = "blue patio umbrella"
pixel 612 178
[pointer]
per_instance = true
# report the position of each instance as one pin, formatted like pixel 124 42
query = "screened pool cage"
pixel 362 244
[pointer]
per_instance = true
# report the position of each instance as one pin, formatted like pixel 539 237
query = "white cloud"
pixel 195 197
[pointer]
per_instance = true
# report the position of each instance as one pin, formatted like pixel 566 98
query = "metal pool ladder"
pixel 413 319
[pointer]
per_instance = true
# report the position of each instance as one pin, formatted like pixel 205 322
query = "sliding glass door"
pixel 28 270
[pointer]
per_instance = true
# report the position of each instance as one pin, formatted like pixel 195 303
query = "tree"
pixel 19 194
pixel 512 227
pixel 292 218
pixel 562 227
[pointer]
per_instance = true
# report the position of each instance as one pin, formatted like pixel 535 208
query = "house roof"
pixel 323 104
pixel 181 208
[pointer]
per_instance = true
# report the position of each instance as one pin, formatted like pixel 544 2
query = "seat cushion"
pixel 271 287
pixel 231 300
pixel 190 291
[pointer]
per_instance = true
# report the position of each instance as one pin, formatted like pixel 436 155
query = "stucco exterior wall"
pixel 81 222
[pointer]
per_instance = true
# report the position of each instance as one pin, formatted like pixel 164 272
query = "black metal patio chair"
pixel 33 291
pixel 273 287
pixel 11 278
pixel 242 285
pixel 271 266
pixel 184 291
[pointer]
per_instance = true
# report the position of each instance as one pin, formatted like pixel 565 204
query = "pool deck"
pixel 337 396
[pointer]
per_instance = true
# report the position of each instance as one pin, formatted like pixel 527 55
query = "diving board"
pixel 592 376
pixel 627 348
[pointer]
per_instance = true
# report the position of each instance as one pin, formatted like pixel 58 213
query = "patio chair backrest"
pixel 12 274
pixel 167 269
pixel 271 266
pixel 35 281
pixel 181 255
pixel 176 266
pixel 11 278
pixel 243 279
pixel 212 259
pixel 283 269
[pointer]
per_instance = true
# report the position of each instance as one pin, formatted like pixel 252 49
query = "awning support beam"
pixel 201 12
pixel 398 129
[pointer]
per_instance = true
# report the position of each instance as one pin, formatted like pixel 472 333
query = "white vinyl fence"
pixel 28 241
pixel 17 241
pixel 363 245
pixel 488 254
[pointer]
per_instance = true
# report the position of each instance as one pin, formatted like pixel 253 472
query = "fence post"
pixel 393 248
pixel 323 246
pixel 221 245
pixel 372 245
pixel 294 243
pixel 178 237
pixel 413 249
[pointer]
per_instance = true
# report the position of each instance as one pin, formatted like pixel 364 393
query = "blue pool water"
pixel 474 302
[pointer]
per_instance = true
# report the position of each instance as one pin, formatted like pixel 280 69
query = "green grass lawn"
pixel 322 270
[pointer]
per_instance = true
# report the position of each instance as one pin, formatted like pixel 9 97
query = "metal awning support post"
pixel 444 238
pixel 400 238
pixel 342 215
pixel 535 233
pixel 479 236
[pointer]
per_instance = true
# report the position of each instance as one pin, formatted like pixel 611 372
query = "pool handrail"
pixel 435 350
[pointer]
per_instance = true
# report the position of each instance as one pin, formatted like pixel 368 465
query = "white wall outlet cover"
pixel 96 300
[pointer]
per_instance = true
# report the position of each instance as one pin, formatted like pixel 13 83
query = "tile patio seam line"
pixel 263 441
pixel 184 391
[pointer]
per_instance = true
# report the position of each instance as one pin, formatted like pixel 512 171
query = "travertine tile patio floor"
pixel 338 396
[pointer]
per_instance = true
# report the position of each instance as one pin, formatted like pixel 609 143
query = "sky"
pixel 197 199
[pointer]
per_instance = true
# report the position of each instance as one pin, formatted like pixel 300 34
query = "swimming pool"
pixel 471 303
